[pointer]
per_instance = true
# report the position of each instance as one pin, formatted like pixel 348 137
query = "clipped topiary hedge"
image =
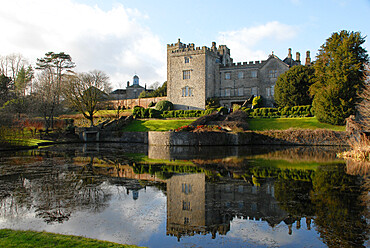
pixel 164 105
pixel 296 111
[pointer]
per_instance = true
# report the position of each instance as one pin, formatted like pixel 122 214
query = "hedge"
pixel 296 111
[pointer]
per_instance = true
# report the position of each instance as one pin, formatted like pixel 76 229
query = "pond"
pixel 187 197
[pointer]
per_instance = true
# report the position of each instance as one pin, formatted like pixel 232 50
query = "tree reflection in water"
pixel 55 195
pixel 54 187
pixel 339 213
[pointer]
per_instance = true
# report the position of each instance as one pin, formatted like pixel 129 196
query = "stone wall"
pixel 131 103
pixel 286 137
pixel 124 137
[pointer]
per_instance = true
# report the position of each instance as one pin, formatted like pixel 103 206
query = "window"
pixel 187 91
pixel 186 221
pixel 254 90
pixel 227 92
pixel 240 75
pixel 187 60
pixel 253 74
pixel 227 75
pixel 240 91
pixel 185 205
pixel 268 91
pixel 186 74
pixel 186 188
pixel 273 73
pixel 273 90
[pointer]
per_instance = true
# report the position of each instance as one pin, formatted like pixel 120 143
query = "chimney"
pixel 214 48
pixel 128 83
pixel 289 53
pixel 298 57
pixel 308 59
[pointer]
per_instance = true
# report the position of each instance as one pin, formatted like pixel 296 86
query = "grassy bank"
pixel 10 238
pixel 262 124
pixel 156 125
pixel 256 124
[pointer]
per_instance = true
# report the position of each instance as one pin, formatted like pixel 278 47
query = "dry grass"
pixel 360 150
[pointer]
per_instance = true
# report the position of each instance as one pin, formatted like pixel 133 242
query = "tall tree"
pixel 57 64
pixel 23 80
pixel 86 92
pixel 5 88
pixel 292 87
pixel 339 72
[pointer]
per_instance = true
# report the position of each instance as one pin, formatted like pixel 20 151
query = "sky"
pixel 128 37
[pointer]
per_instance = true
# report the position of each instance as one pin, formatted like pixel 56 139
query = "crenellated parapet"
pixel 179 48
pixel 242 65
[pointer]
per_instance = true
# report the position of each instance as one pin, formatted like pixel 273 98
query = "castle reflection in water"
pixel 195 206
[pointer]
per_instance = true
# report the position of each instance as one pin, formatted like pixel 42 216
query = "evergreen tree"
pixel 339 72
pixel 292 87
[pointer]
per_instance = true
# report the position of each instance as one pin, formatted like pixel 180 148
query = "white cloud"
pixel 114 41
pixel 246 40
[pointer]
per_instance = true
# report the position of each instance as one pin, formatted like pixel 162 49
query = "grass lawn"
pixel 10 238
pixel 156 125
pixel 261 124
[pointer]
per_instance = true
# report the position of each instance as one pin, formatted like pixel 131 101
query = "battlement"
pixel 244 64
pixel 180 47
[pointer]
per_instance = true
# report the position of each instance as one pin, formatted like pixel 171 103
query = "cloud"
pixel 246 41
pixel 114 41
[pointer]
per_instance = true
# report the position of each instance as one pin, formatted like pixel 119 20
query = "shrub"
pixel 212 103
pixel 151 104
pixel 222 110
pixel 209 111
pixel 164 105
pixel 236 107
pixel 137 113
pixel 256 101
pixel 153 113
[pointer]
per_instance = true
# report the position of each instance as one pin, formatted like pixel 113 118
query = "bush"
pixel 151 104
pixel 212 103
pixel 153 113
pixel 210 111
pixel 137 113
pixel 223 110
pixel 256 102
pixel 164 105
pixel 296 111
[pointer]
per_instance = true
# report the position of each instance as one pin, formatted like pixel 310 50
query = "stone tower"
pixel 192 73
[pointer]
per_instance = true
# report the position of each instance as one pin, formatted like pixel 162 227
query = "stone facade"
pixel 131 92
pixel 195 74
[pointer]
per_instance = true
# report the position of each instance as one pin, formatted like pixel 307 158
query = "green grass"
pixel 155 125
pixel 144 159
pixel 261 124
pixel 256 124
pixel 10 238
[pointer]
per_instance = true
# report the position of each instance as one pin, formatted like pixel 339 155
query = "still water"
pixel 187 197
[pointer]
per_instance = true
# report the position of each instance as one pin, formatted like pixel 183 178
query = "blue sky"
pixel 124 37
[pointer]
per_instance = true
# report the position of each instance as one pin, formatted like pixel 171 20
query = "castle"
pixel 196 74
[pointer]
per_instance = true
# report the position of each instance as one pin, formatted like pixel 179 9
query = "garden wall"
pixel 317 137
pixel 124 137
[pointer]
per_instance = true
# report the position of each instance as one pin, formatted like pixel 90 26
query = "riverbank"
pixel 13 238
pixel 318 137
pixel 294 137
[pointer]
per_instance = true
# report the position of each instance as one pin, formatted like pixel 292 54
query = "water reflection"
pixel 181 194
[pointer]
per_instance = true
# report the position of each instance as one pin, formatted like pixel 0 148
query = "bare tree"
pixel 46 96
pixel 86 92
pixel 11 64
